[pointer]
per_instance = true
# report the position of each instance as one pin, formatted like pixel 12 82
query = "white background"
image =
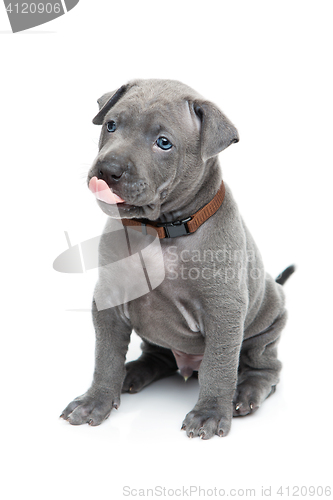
pixel 268 65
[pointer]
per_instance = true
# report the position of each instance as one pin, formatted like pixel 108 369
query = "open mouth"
pixel 103 192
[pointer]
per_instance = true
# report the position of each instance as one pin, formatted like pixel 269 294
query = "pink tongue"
pixel 102 191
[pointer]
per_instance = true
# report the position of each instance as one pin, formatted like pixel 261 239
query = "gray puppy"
pixel 216 312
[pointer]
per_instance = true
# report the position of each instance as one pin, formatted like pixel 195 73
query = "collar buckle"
pixel 175 229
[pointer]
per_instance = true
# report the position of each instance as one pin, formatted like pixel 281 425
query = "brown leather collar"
pixel 179 227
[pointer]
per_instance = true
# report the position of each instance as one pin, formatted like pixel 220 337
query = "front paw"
pixel 208 419
pixel 91 408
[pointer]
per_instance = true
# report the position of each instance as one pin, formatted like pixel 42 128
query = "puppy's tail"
pixel 282 278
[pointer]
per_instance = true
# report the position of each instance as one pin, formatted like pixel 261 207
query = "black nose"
pixel 111 169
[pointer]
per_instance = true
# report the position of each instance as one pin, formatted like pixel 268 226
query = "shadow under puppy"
pixel 216 311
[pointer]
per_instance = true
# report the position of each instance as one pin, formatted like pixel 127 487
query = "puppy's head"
pixel 157 137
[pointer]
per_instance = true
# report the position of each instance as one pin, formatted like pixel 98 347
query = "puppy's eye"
pixel 164 143
pixel 111 126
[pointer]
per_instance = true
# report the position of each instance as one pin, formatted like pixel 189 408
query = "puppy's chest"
pixel 171 315
pixel 168 321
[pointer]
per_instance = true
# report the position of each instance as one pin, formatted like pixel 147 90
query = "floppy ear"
pixel 107 101
pixel 217 132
